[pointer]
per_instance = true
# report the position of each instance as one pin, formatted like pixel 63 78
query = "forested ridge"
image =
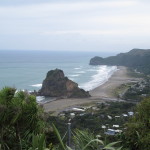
pixel 138 59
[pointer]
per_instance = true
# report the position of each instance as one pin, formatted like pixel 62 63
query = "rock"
pixel 57 85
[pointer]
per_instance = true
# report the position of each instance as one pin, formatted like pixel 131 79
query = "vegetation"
pixel 133 73
pixel 38 142
pixel 93 119
pixel 138 59
pixel 83 140
pixel 137 135
pixel 119 91
pixel 19 118
pixel 138 91
pixel 23 127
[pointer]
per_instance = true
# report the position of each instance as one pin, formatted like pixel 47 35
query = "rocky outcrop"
pixel 57 85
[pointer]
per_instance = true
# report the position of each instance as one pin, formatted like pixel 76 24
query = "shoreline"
pixel 101 93
pixel 106 90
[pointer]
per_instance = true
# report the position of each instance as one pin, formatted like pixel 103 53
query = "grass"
pixel 132 73
pixel 121 89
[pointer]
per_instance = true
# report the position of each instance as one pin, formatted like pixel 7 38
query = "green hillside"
pixel 138 59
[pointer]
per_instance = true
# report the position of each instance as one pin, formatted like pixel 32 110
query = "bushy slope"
pixel 137 58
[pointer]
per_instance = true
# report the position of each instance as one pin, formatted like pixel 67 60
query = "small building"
pixel 116 126
pixel 117 116
pixel 109 117
pixel 78 109
pixel 110 132
pixel 95 108
pixel 82 114
pixel 118 131
pixel 131 113
pixel 103 127
pixel 62 114
pixel 125 115
pixel 72 115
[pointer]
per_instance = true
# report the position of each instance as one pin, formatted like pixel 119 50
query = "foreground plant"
pixel 137 135
pixel 83 140
pixel 20 117
pixel 38 142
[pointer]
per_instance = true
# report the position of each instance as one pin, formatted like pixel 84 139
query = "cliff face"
pixel 57 85
pixel 137 58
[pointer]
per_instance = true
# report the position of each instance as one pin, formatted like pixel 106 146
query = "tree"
pixel 20 117
pixel 137 135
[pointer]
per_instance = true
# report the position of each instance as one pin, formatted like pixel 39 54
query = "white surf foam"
pixel 39 99
pixel 77 68
pixel 103 74
pixel 80 72
pixel 36 85
pixel 74 75
pixel 91 70
pixel 43 99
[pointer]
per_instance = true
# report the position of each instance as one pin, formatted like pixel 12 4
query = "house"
pixel 82 114
pixel 103 127
pixel 62 115
pixel 125 115
pixel 118 131
pixel 117 116
pixel 130 113
pixel 110 132
pixel 116 126
pixel 109 117
pixel 72 115
pixel 95 108
pixel 78 109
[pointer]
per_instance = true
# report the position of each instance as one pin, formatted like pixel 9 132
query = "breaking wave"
pixel 103 74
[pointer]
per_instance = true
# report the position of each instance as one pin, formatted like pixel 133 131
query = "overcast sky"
pixel 82 25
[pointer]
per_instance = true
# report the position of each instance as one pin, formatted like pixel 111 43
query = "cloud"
pixel 52 23
pixel 57 7
pixel 124 32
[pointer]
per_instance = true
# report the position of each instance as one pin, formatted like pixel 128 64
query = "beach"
pixel 106 90
pixel 102 93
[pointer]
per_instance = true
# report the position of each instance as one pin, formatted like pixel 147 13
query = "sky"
pixel 74 25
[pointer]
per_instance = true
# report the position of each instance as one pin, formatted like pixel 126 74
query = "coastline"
pixel 101 93
pixel 106 90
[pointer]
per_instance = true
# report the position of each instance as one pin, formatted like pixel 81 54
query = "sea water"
pixel 26 70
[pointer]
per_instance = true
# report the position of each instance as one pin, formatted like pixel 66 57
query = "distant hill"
pixel 138 59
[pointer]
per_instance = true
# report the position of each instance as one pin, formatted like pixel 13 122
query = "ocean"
pixel 26 70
